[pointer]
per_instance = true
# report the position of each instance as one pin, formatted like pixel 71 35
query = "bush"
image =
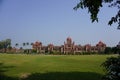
pixel 34 51
pixel 112 67
pixel 89 53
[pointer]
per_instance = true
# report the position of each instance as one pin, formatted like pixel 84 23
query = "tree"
pixel 16 44
pixel 1 44
pixel 27 43
pixel 115 50
pixel 31 44
pixel 27 47
pixel 94 6
pixel 24 44
pixel 108 50
pixel 4 44
pixel 8 42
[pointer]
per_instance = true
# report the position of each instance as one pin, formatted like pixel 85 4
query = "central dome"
pixel 69 39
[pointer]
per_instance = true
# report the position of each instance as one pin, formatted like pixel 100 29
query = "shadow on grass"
pixel 64 76
pixel 5 69
pixel 50 75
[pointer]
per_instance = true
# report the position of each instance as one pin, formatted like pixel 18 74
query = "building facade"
pixel 69 47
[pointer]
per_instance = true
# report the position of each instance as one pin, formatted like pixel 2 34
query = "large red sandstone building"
pixel 69 47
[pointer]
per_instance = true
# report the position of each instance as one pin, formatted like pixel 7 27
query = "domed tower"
pixel 101 46
pixel 69 40
pixel 50 47
pixel 69 46
pixel 87 47
pixel 37 46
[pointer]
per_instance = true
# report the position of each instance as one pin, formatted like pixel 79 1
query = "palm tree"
pixel 16 44
pixel 27 43
pixel 24 44
pixel 23 47
pixel 28 47
pixel 31 44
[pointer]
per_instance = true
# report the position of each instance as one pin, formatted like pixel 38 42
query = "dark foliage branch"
pixel 94 6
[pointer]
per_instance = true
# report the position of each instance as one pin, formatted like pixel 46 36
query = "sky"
pixel 52 21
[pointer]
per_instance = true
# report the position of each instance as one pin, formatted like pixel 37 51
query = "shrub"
pixel 89 53
pixel 112 67
pixel 34 51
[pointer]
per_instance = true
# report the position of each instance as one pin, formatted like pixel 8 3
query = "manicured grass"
pixel 52 67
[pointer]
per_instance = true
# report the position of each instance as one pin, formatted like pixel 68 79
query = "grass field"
pixel 51 67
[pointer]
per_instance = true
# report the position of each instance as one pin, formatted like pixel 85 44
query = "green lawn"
pixel 51 67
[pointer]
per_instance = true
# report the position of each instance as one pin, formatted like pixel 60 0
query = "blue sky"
pixel 52 21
